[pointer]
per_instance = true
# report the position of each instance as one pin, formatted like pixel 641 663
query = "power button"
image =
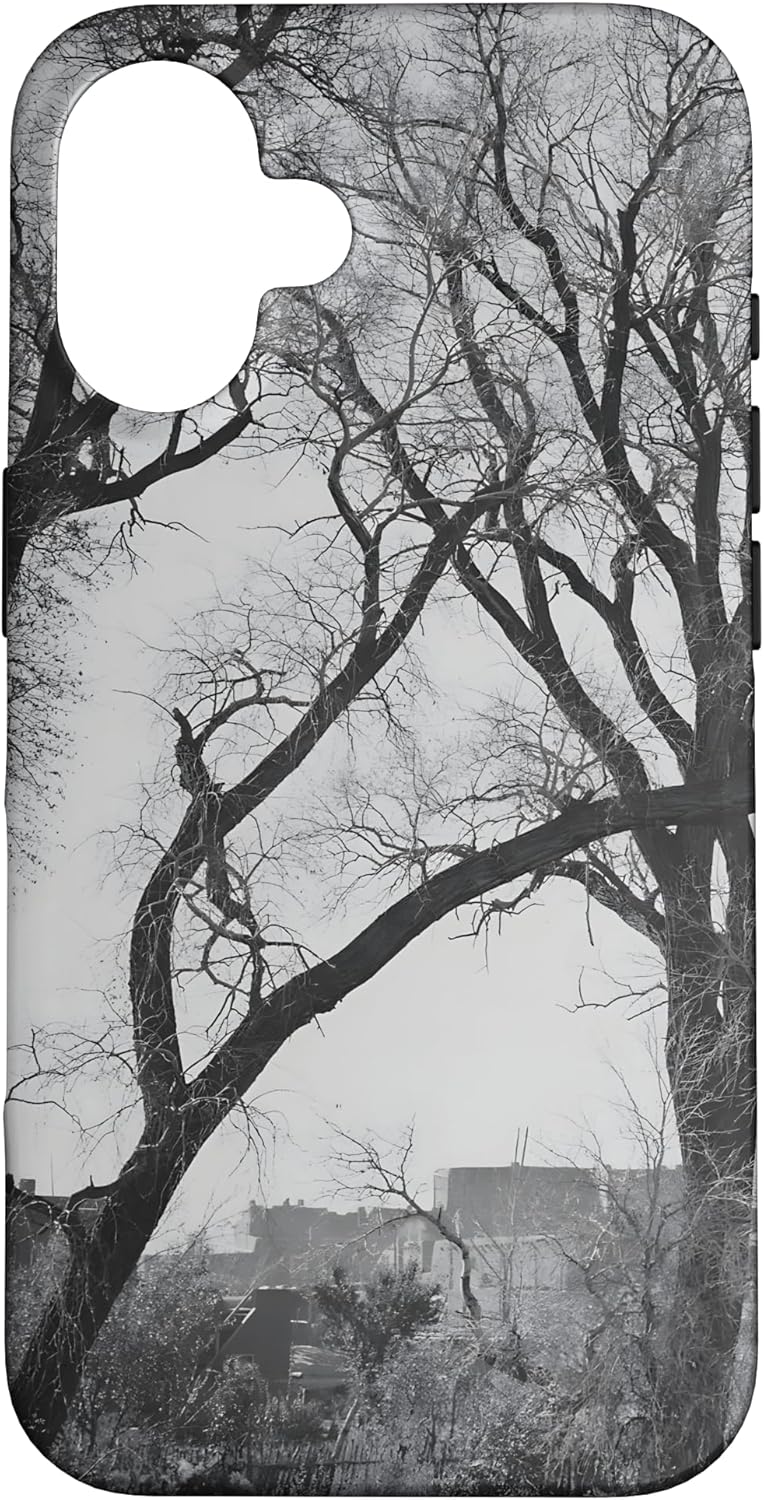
pixel 755 595
pixel 754 462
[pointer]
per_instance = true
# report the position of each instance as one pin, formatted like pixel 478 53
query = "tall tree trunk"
pixel 102 1256
pixel 709 1055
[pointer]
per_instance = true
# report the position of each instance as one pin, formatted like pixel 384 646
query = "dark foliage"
pixel 370 1321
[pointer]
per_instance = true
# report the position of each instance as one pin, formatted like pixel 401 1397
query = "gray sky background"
pixel 473 1045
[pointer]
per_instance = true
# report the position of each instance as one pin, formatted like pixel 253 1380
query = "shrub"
pixel 369 1322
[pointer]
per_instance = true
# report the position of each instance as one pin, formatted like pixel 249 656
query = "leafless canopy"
pixel 526 393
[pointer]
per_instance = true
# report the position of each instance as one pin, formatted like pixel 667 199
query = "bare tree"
pixel 637 1373
pixel 73 453
pixel 587 265
pixel 182 1107
pixel 382 1170
pixel 71 447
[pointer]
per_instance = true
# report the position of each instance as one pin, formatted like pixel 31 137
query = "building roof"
pixel 516 1197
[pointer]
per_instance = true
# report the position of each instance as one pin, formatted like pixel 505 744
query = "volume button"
pixel 754 326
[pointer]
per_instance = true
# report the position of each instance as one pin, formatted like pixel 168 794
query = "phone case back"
pixel 380 786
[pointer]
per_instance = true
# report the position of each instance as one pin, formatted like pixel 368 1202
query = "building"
pixel 275 1333
pixel 528 1229
pixel 34 1221
pixel 263 1330
pixel 544 1243
pixel 517 1200
pixel 297 1243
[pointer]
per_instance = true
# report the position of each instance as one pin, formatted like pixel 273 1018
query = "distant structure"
pixel 276 1333
pixel 295 1244
pixel 263 1329
pixel 539 1239
pixel 30 1221
pixel 299 1243
pixel 517 1199
pixel 33 1220
pixel 535 1235
pixel 530 1230
pixel 533 1232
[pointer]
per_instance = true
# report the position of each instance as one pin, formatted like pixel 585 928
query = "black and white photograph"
pixel 381 1080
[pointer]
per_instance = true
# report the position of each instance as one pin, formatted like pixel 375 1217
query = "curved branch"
pixel 132 486
pixel 160 1070
pixel 297 1002
pixel 615 895
pixel 675 730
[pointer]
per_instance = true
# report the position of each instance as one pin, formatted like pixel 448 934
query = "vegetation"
pixel 520 413
pixel 370 1322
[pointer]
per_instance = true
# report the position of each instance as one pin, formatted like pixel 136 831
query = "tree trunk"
pixel 101 1259
pixel 703 1335
pixel 709 1056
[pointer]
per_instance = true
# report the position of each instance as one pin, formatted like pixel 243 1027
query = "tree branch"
pixel 297 1002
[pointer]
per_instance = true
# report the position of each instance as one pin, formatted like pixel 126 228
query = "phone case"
pixel 380 787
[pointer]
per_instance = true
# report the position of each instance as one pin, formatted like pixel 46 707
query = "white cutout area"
pixel 169 233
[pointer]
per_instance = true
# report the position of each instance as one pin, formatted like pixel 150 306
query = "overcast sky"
pixel 474 1044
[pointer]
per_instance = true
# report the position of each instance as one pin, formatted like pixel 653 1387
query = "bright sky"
pixel 474 1045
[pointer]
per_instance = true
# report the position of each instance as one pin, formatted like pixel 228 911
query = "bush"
pixel 370 1322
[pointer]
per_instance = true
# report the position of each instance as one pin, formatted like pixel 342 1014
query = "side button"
pixel 4 564
pixel 754 473
pixel 754 326
pixel 755 595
